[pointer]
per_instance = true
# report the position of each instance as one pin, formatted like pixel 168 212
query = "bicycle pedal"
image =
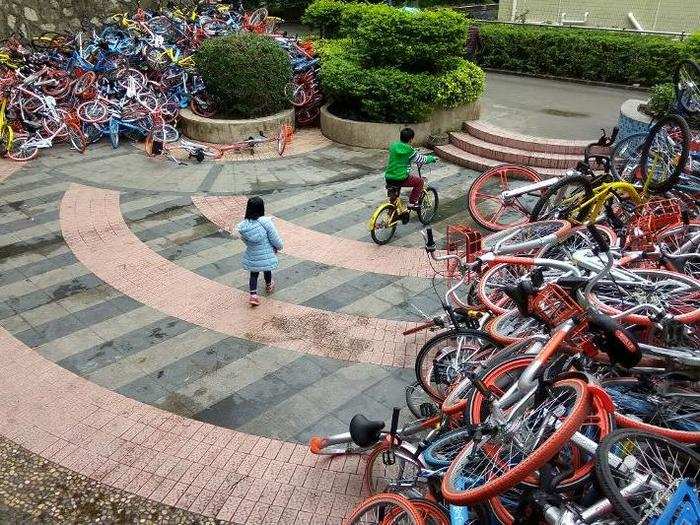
pixel 427 410
pixel 388 457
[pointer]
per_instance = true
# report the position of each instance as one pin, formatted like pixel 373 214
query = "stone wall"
pixel 34 17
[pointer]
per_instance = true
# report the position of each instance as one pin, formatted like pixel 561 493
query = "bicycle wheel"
pixel 562 200
pixel 658 463
pixel 166 134
pixel 399 476
pixel 441 452
pixel 446 356
pixel 22 149
pixel 431 512
pixel 428 205
pixel 512 326
pixel 489 209
pixel 519 448
pixel 419 402
pixel 673 293
pixel 665 153
pixel 625 157
pixel 664 407
pixel 375 509
pixel 579 239
pixel 500 374
pixel 77 138
pixel 526 238
pixel 383 224
pixel 93 112
pixel 679 239
pixel 687 85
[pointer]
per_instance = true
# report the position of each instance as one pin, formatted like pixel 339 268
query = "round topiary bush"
pixel 245 74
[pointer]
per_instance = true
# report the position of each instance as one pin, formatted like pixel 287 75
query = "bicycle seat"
pixel 520 293
pixel 365 432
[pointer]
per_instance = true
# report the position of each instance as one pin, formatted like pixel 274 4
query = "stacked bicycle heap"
pixel 128 78
pixel 562 386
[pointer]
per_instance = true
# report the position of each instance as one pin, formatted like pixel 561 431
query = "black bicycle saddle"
pixel 365 432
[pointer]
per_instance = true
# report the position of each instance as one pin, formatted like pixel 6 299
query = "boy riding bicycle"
pixel 398 169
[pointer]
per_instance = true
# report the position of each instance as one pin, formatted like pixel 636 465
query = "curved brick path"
pixel 94 229
pixel 312 245
pixel 164 457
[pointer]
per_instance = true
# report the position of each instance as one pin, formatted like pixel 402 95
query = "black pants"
pixel 254 280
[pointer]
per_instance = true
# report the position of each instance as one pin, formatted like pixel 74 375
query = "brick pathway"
pixel 94 229
pixel 164 457
pixel 312 245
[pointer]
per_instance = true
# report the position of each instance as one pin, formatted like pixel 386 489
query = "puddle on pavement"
pixel 66 290
pixel 171 212
pixel 180 405
pixel 563 113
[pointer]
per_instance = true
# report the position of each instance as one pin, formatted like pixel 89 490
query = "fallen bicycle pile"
pixel 561 387
pixel 127 79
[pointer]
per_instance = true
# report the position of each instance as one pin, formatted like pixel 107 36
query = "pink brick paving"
pixel 305 243
pixel 94 229
pixel 144 450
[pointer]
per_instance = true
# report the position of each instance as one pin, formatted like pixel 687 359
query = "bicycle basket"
pixel 462 241
pixel 649 219
pixel 553 305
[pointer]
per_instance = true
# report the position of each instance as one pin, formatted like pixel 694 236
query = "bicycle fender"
pixel 373 218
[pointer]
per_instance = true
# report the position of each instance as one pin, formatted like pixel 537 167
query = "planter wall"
pixel 223 131
pixel 380 135
pixel 632 120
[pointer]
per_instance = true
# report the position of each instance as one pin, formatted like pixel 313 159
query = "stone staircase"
pixel 481 145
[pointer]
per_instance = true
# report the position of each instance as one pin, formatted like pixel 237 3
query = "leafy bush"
pixel 661 100
pixel 246 74
pixel 410 40
pixel 385 94
pixel 585 54
pixel 335 18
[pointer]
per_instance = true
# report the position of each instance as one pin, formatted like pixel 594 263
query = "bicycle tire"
pixel 579 238
pixel 535 234
pixel 625 156
pixel 93 112
pixel 690 104
pixel 666 184
pixel 477 196
pixel 512 326
pixel 684 313
pixel 433 513
pixel 441 452
pixel 375 465
pixel 416 397
pixel 423 216
pixel 624 418
pixel 598 417
pixel 585 192
pixel 542 452
pixel 388 501
pixel 425 360
pixel 392 230
pixel 669 450
pixel 20 152
pixel 77 138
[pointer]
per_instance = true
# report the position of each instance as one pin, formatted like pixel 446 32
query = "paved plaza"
pixel 130 356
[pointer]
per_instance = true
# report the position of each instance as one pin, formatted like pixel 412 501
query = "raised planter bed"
pixel 379 135
pixel 224 131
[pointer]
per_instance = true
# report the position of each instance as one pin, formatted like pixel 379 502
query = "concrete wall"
pixel 33 17
pixel 657 15
pixel 223 131
pixel 380 135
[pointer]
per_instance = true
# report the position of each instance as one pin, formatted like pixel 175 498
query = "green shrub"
pixel 693 43
pixel 410 40
pixel 661 100
pixel 384 94
pixel 334 18
pixel 246 74
pixel 584 54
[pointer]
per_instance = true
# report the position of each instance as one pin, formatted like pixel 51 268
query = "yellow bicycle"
pixel 654 168
pixel 7 134
pixel 382 224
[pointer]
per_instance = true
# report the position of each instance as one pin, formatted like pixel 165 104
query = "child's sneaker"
pixel 269 288
pixel 254 299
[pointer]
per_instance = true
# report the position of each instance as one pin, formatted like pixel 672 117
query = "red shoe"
pixel 270 288
pixel 254 299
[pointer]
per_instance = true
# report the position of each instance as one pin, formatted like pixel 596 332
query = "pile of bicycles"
pixel 128 78
pixel 563 384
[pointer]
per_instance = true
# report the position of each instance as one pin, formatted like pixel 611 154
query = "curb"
pixel 571 80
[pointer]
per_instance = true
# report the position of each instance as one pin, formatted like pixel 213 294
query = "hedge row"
pixel 386 94
pixel 585 54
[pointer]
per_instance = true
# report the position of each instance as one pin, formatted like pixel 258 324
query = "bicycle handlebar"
pixel 395 420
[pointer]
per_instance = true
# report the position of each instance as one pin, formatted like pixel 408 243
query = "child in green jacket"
pixel 398 168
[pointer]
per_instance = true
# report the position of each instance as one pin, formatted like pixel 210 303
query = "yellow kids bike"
pixel 382 225
pixel 6 132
